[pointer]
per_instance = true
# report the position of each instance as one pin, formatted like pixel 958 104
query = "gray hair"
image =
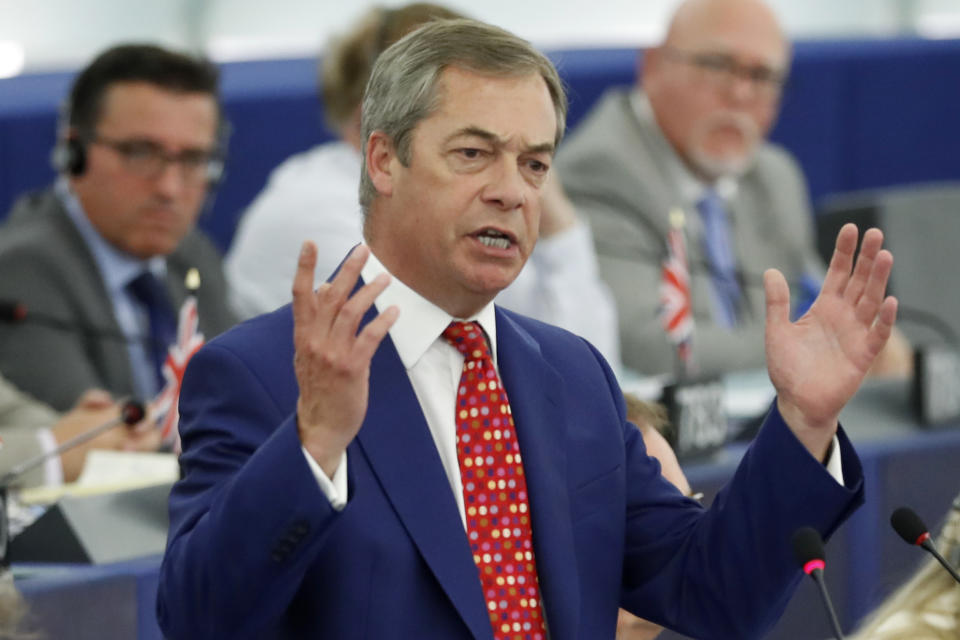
pixel 402 89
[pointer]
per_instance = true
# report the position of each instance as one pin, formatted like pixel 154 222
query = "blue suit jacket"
pixel 256 550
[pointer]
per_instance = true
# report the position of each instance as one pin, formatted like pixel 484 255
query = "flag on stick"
pixel 676 306
pixel 165 407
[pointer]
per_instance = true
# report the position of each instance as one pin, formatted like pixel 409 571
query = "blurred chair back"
pixel 921 225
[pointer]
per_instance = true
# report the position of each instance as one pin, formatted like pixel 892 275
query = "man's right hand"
pixel 96 407
pixel 332 360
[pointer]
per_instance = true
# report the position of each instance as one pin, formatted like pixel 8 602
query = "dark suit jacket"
pixel 614 168
pixel 45 263
pixel 256 551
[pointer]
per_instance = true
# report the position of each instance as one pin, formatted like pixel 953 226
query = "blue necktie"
pixel 151 293
pixel 716 245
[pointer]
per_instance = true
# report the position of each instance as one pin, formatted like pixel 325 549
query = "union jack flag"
pixel 166 405
pixel 676 307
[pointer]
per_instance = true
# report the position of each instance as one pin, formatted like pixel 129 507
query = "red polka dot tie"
pixel 495 492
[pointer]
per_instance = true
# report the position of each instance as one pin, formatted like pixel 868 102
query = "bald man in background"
pixel 691 136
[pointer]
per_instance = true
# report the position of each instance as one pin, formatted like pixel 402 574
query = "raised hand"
pixel 817 363
pixel 332 360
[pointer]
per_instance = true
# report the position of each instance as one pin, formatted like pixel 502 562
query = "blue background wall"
pixel 857 114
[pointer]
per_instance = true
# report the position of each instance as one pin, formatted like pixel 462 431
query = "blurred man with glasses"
pixel 101 258
pixel 690 139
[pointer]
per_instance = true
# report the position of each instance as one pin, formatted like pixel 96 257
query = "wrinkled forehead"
pixel 487 97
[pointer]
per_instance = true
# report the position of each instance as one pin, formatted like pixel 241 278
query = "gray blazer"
pixel 614 171
pixel 45 264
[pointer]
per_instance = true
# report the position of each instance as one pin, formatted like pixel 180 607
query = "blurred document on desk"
pixel 126 469
pixel 110 471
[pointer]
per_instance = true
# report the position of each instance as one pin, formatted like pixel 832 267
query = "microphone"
pixel 132 411
pixel 12 312
pixel 911 528
pixel 808 550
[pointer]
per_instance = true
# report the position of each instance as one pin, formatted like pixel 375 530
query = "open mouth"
pixel 494 239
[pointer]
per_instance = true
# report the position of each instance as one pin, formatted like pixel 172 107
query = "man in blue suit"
pixel 330 479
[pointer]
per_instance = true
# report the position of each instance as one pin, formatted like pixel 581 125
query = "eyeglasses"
pixel 724 70
pixel 148 160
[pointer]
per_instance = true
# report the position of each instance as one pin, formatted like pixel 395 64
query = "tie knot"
pixel 711 205
pixel 467 338
pixel 149 291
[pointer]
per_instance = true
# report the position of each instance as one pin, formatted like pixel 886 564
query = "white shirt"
pixel 314 196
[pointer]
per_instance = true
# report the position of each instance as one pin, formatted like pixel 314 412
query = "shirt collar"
pixel 117 267
pixel 420 322
pixel 692 189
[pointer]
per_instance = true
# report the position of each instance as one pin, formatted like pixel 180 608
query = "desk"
pixel 865 560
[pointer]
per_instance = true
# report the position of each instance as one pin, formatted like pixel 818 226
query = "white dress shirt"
pixel 313 196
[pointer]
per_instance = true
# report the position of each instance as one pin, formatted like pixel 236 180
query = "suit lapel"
pixel 536 400
pixel 397 442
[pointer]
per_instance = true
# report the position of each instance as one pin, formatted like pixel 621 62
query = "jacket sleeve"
pixel 728 571
pixel 247 516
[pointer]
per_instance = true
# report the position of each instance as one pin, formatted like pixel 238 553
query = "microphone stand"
pixel 131 413
pixel 817 575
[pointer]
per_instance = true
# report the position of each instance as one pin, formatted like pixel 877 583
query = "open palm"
pixel 818 362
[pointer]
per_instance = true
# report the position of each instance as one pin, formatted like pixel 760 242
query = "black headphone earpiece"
pixel 69 156
pixel 75 156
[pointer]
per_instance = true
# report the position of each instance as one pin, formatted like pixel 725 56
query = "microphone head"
pixel 909 526
pixel 808 549
pixel 12 311
pixel 132 412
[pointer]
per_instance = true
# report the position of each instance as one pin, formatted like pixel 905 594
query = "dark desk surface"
pixel 903 465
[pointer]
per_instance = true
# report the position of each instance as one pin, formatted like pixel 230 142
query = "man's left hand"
pixel 818 362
